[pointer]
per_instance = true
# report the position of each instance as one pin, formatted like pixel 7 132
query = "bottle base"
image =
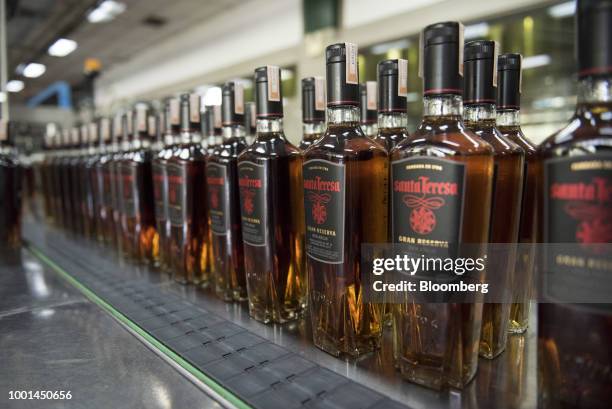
pixel 338 348
pixel 432 378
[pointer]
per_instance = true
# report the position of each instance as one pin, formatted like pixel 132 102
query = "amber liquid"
pixel 342 322
pixel 76 169
pixel 275 272
pixel 227 249
pixel 46 177
pixel 505 214
pixel 574 354
pixel 116 200
pixel 160 190
pixel 437 344
pixel 68 204
pixel 10 206
pixel 525 257
pixel 104 221
pixel 58 191
pixel 140 241
pixel 188 243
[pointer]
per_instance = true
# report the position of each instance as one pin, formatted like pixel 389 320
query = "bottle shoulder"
pixel 344 142
pixel 442 138
pixel 501 144
pixel 581 134
pixel 269 148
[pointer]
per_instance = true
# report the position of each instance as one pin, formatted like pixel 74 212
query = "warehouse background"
pixel 133 50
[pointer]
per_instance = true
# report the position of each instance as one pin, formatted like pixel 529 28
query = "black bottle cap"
pixel 206 121
pixel 442 58
pixel 342 74
pixel 509 81
pixel 368 113
pixel 313 109
pixel 480 81
pixel 392 87
pixel 185 113
pixel 594 31
pixel 268 97
pixel 233 104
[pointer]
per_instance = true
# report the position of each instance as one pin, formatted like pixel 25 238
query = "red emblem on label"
pixel 319 210
pixel 593 227
pixel 214 198
pixel 422 217
pixel 247 201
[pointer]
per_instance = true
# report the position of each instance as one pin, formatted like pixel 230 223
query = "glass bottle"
pixel 55 160
pixel 11 176
pixel 88 179
pixel 479 117
pixel 270 176
pixel 313 110
pixel 508 124
pixel 392 90
pixel 345 183
pixel 75 170
pixel 575 220
pixel 46 172
pixel 111 183
pixel 101 190
pixel 224 199
pixel 139 236
pixel 64 202
pixel 187 210
pixel 160 180
pixel 368 108
pixel 437 343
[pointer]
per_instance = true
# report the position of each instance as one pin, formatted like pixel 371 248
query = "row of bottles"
pixel 282 227
pixel 11 186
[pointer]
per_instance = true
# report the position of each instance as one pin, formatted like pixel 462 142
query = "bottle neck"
pixel 594 92
pixel 508 118
pixel 392 120
pixel 313 128
pixel 274 125
pixel 234 131
pixel 446 105
pixel 481 114
pixel 343 115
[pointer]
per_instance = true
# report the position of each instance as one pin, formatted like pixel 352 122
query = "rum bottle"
pixel 11 189
pixel 79 141
pixel 224 199
pixel 368 108
pixel 508 123
pixel 160 179
pixel 345 184
pixel 187 210
pixel 313 110
pixel 102 185
pixel 139 236
pixel 88 181
pixel 270 178
pixel 479 117
pixel 574 354
pixel 437 343
pixel 392 91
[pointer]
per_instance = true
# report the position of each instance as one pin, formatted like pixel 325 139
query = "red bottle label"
pixel 252 181
pixel 324 201
pixel 178 200
pixel 427 201
pixel 218 197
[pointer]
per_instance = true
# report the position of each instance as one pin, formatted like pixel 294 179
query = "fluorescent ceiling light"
pixel 34 70
pixel 476 31
pixel 14 86
pixel 383 48
pixel 106 11
pixel 536 61
pixel 62 47
pixel 562 10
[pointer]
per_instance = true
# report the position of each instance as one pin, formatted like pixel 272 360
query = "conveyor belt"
pixel 241 366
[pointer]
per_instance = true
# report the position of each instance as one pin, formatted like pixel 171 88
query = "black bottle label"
pixel 178 200
pixel 129 193
pixel 324 201
pixel 218 198
pixel 427 201
pixel 578 210
pixel 252 181
pixel 160 190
